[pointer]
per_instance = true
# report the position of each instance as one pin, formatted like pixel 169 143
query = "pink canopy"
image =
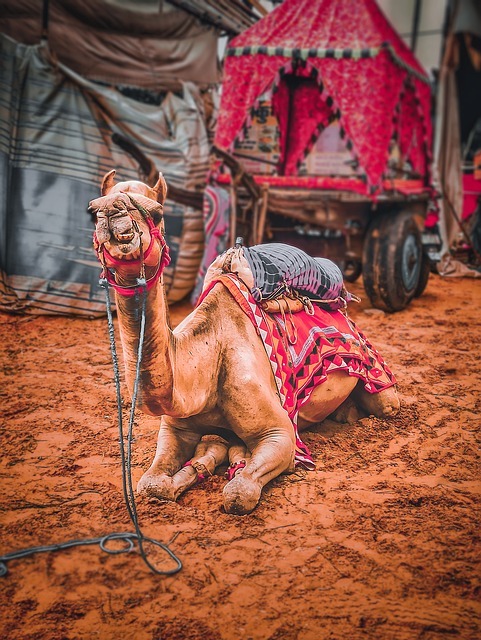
pixel 326 59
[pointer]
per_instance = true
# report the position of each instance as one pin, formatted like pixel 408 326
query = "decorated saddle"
pixel 284 278
pixel 303 347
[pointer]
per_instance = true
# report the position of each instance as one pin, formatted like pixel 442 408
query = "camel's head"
pixel 126 217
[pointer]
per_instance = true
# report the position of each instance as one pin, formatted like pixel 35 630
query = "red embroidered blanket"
pixel 303 349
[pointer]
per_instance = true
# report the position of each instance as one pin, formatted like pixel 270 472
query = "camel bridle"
pixel 126 451
pixel 140 290
pixel 107 260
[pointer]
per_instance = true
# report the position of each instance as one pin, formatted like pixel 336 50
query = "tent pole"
pixel 415 28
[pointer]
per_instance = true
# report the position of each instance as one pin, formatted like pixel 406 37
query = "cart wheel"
pixel 351 270
pixel 423 276
pixel 392 261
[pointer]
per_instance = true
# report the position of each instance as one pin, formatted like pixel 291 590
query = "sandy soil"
pixel 381 541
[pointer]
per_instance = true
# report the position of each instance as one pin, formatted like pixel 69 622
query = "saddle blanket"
pixel 303 349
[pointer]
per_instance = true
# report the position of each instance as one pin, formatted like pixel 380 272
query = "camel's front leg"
pixel 272 453
pixel 208 455
pixel 174 447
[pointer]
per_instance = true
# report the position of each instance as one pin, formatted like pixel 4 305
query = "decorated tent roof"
pixel 356 68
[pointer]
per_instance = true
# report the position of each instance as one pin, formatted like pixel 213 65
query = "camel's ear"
pixel 107 182
pixel 160 189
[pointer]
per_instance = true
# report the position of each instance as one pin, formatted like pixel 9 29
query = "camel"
pixel 209 379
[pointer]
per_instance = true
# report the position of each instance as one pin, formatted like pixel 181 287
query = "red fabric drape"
pixel 366 87
pixel 367 99
pixel 300 109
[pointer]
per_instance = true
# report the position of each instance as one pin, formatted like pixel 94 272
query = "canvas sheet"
pixel 57 133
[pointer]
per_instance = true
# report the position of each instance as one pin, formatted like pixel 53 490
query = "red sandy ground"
pixel 381 541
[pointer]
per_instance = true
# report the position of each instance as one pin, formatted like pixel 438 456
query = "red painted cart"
pixel 324 141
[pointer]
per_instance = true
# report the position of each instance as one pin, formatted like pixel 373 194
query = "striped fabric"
pixel 56 143
pixel 276 266
pixel 345 53
pixel 216 216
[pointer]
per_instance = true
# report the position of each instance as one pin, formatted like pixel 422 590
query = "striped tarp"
pixel 56 143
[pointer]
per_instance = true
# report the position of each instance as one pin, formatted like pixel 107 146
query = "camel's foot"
pixel 384 404
pixel 157 486
pixel 241 495
pixel 346 412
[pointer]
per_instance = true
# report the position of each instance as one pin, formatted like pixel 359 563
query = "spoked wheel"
pixel 392 261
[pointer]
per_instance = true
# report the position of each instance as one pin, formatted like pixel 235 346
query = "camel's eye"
pixel 92 211
pixel 157 217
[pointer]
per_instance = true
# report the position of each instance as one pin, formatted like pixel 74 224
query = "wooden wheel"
pixel 393 261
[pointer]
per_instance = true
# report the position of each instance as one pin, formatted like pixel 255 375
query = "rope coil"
pixel 126 460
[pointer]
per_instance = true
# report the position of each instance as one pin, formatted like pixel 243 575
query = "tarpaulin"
pixel 109 43
pixel 57 133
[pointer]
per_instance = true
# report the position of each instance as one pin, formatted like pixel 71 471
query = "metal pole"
pixel 45 20
pixel 415 28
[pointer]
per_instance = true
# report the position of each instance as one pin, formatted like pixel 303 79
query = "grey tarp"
pixel 103 41
pixel 55 145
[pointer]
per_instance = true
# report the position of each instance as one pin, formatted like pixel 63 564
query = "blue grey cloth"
pixel 275 266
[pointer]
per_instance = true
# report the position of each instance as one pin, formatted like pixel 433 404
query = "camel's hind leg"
pixel 382 405
pixel 330 397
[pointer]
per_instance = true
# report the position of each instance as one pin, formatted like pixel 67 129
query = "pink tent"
pixel 327 59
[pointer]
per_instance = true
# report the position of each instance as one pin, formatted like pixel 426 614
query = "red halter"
pixel 133 290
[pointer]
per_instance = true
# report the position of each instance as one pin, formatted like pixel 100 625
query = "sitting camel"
pixel 211 379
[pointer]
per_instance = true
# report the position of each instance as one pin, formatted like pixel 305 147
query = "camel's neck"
pixel 156 377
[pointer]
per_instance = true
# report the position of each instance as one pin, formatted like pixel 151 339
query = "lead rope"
pixel 126 460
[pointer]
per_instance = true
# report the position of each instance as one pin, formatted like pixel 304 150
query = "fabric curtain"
pixel 360 65
pixel 118 46
pixel 447 153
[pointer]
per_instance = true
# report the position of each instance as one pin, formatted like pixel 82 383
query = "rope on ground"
pixel 126 461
